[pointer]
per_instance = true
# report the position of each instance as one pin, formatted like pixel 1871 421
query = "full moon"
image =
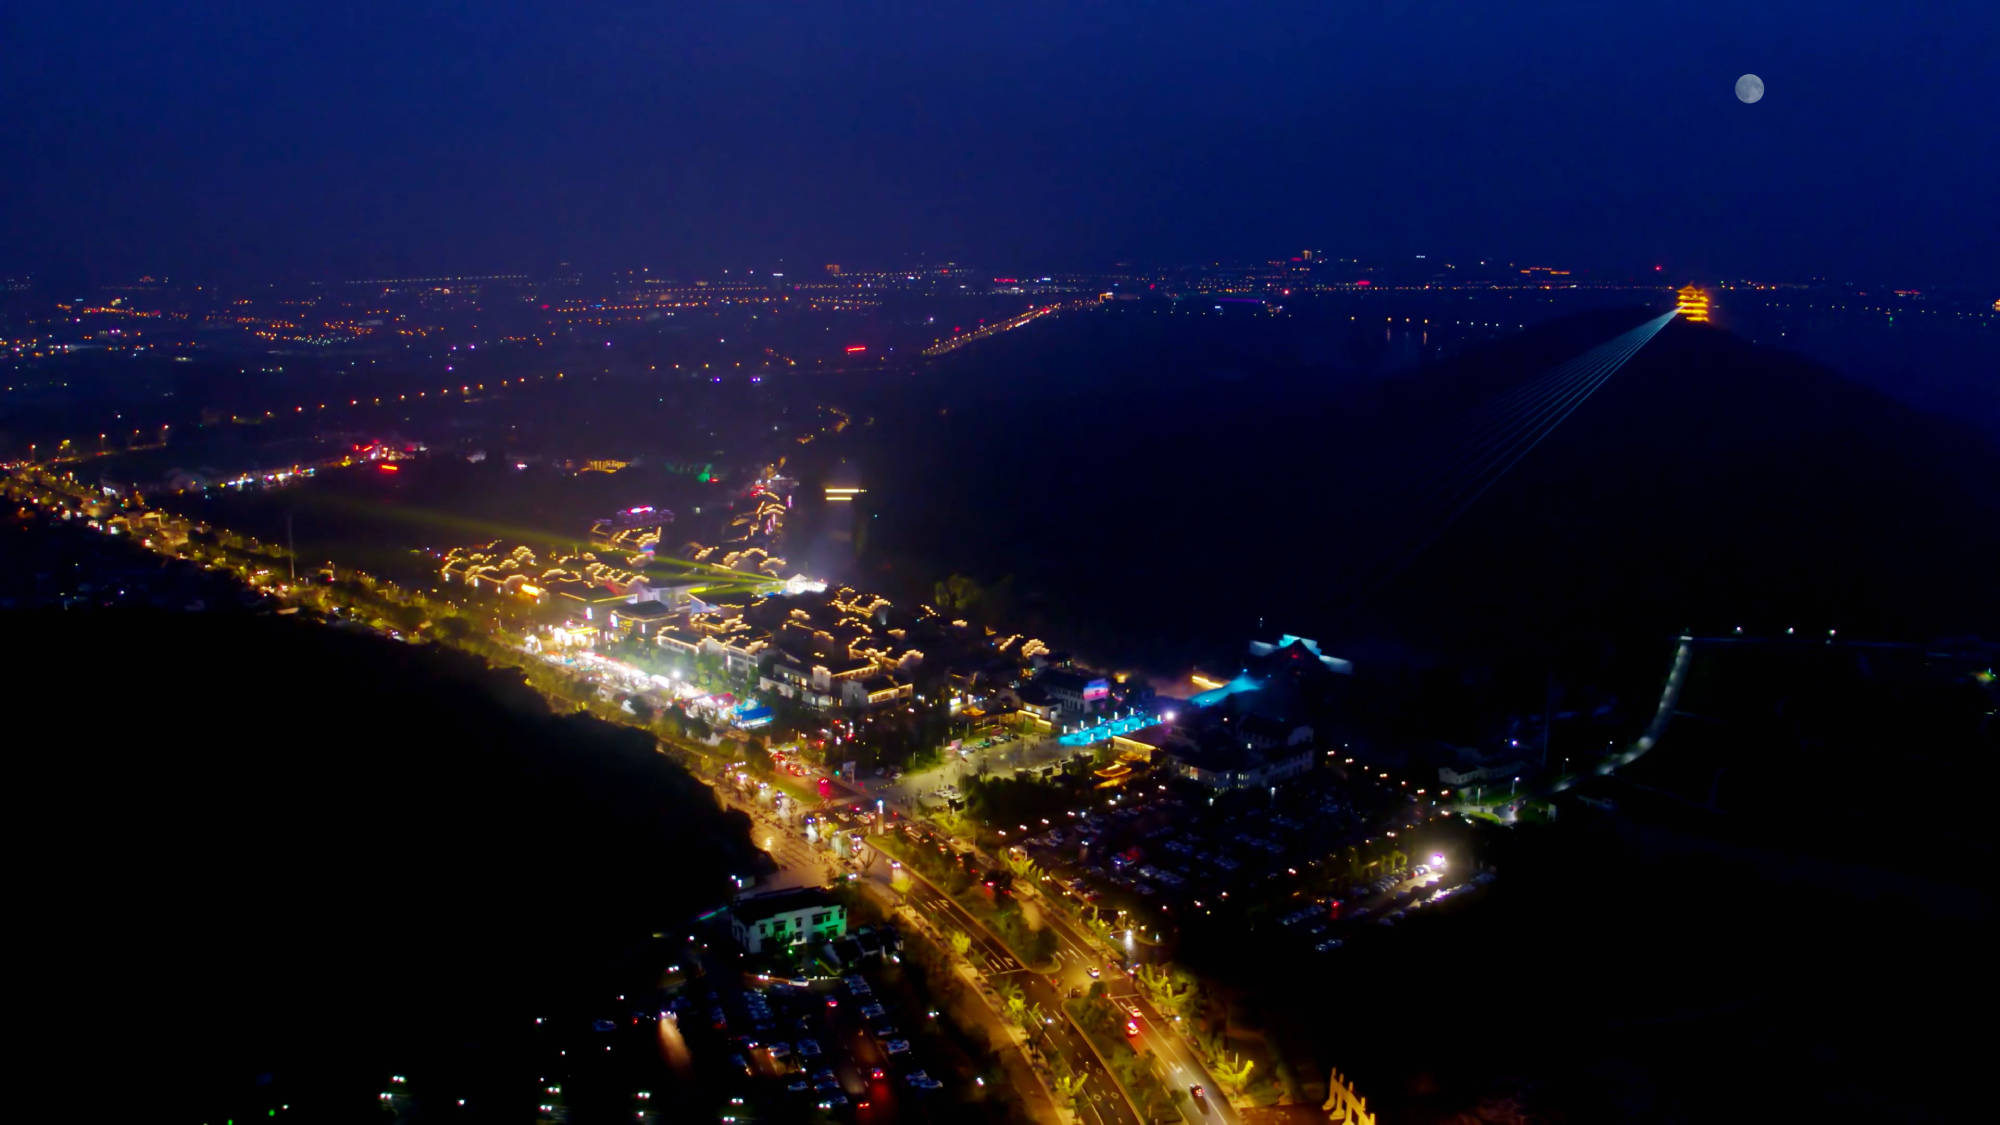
pixel 1749 88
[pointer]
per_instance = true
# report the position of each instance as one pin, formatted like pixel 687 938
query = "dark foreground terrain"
pixel 269 863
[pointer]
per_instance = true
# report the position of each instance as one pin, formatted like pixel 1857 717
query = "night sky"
pixel 249 140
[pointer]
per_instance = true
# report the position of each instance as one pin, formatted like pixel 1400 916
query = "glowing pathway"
pixel 1670 698
pixel 1102 731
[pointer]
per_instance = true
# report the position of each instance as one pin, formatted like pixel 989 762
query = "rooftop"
pixel 752 908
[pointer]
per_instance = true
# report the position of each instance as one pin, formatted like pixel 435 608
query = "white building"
pixel 786 918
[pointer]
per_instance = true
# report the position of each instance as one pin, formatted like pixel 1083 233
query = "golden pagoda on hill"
pixel 1693 304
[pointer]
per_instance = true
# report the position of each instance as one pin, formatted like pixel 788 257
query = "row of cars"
pixel 1427 890
pixel 805 1046
pixel 885 1035
pixel 1160 845
pixel 1318 933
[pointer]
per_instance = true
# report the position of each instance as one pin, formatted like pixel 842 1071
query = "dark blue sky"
pixel 252 139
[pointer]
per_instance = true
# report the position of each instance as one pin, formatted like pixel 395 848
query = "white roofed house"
pixel 740 648
pixel 678 637
pixel 786 918
pixel 789 677
pixel 879 690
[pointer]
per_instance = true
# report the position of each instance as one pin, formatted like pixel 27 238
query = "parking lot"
pixel 835 1047
pixel 1286 863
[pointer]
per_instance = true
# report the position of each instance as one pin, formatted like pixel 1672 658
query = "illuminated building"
pixel 1073 693
pixel 1693 304
pixel 843 522
pixel 878 690
pixel 787 918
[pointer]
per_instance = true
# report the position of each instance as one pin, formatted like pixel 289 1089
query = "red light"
pixel 853 348
pixel 1656 269
pixel 1363 281
pixel 390 469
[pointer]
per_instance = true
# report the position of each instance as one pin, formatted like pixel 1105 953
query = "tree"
pixel 1069 1087
pixel 957 594
pixel 1233 1072
pixel 1042 945
pixel 1018 861
pixel 1014 1001
pixel 1033 1019
pixel 961 943
pixel 404 617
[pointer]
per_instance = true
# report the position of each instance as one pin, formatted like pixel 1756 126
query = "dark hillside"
pixel 1712 483
pixel 1158 484
pixel 253 848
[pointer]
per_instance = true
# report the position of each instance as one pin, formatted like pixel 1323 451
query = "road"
pixel 1006 759
pixel 802 864
pixel 1077 955
pixel 1103 1103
